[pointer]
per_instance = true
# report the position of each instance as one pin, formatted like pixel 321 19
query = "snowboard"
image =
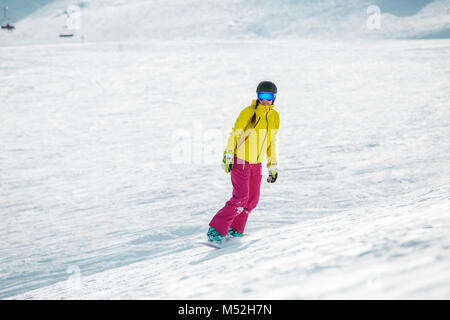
pixel 211 244
pixel 225 242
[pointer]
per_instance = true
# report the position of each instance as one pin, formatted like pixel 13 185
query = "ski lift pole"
pixel 7 25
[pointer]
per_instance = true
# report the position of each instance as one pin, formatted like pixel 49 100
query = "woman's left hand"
pixel 273 175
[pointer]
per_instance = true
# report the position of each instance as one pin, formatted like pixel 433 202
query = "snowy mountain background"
pixel 111 142
pixel 118 20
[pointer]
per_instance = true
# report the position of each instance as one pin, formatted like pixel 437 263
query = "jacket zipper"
pixel 264 137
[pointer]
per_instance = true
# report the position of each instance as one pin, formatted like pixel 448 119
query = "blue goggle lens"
pixel 266 96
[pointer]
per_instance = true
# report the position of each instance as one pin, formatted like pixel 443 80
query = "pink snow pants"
pixel 246 180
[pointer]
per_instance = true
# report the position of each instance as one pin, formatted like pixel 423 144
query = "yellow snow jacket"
pixel 250 140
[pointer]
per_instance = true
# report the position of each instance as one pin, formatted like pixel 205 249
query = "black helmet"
pixel 266 86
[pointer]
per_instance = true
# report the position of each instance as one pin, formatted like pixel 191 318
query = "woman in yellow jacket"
pixel 253 135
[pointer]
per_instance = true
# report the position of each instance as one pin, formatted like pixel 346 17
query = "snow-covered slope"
pixel 394 252
pixel 110 170
pixel 119 20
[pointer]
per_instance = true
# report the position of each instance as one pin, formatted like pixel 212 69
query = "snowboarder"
pixel 253 134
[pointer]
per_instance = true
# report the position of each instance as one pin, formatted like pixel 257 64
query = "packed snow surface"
pixel 110 170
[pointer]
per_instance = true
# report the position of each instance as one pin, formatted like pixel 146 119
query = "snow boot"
pixel 232 233
pixel 214 236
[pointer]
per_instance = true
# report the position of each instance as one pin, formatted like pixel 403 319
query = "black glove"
pixel 273 175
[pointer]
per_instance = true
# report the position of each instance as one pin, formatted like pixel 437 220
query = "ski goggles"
pixel 269 96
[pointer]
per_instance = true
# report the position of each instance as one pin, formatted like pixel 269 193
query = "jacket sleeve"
pixel 272 147
pixel 238 129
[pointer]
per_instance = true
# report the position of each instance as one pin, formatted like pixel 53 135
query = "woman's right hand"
pixel 227 161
